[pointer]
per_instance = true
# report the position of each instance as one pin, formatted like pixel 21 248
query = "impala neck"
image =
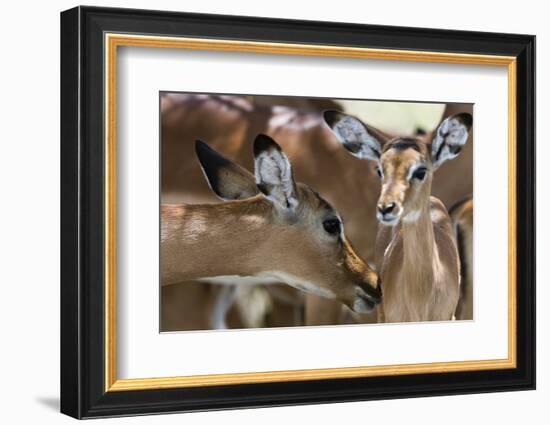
pixel 200 241
pixel 420 253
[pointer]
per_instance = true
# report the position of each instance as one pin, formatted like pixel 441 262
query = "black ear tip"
pixel 466 119
pixel 331 116
pixel 208 157
pixel 202 150
pixel 200 146
pixel 419 131
pixel 264 143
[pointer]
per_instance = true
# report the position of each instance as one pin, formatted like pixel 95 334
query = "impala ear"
pixel 359 139
pixel 274 173
pixel 226 179
pixel 449 138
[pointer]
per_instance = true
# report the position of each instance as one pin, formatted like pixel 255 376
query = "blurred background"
pixel 229 124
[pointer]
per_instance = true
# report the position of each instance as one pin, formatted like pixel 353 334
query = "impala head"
pixel 302 241
pixel 405 165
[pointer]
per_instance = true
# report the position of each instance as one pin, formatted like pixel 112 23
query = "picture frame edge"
pixel 83 393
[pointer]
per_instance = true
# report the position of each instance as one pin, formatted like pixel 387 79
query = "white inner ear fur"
pixel 451 133
pixel 273 171
pixel 354 136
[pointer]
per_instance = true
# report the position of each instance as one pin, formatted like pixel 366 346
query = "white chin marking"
pixel 389 223
pixel 412 216
pixel 361 306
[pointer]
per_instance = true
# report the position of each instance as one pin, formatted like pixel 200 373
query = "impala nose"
pixel 367 298
pixel 386 208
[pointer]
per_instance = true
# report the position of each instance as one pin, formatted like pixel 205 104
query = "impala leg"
pixel 253 303
pixel 223 303
pixel 287 306
pixel 465 307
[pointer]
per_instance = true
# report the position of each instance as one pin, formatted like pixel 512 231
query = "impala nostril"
pixel 386 208
pixel 374 295
pixel 377 295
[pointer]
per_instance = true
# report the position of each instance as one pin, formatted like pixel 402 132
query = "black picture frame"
pixel 83 392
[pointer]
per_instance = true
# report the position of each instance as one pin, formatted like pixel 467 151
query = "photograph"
pixel 284 211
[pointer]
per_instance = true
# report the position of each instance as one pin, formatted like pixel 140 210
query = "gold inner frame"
pixel 113 41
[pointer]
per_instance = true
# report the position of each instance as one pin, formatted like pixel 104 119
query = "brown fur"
pixel 418 260
pixel 416 253
pixel 189 306
pixel 462 215
pixel 412 288
pixel 230 123
pixel 249 237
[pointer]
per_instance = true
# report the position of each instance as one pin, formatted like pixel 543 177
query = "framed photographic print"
pixel 261 212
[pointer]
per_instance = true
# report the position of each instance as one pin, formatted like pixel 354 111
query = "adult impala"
pixel 416 252
pixel 270 230
pixel 462 215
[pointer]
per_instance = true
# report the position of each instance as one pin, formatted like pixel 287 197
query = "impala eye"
pixel 419 174
pixel 379 172
pixel 332 226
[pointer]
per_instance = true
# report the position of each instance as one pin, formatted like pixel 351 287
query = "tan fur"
pixel 417 261
pixel 230 123
pixel 462 216
pixel 250 237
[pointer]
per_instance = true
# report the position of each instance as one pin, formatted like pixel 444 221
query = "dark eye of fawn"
pixel 378 172
pixel 419 174
pixel 332 226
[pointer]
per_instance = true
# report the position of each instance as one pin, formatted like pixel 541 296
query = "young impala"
pixel 270 230
pixel 416 252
